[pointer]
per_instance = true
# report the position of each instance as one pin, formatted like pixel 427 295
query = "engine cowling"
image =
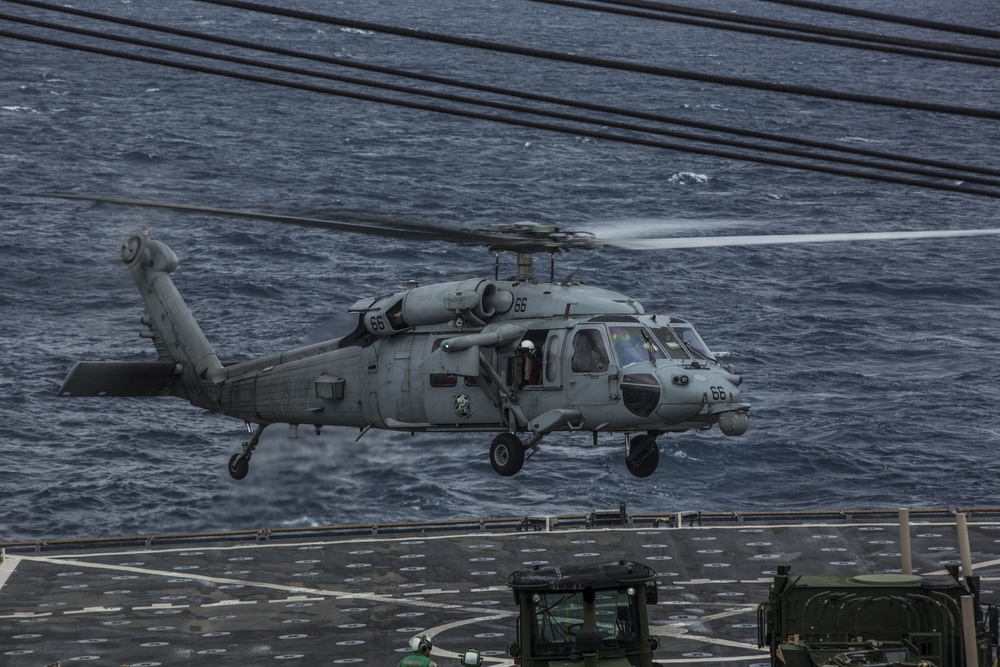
pixel 433 304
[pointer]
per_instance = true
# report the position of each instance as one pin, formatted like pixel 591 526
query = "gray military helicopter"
pixel 517 356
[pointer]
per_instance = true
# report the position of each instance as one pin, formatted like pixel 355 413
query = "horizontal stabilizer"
pixel 120 378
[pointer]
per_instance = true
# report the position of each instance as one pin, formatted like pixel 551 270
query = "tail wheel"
pixel 507 454
pixel 643 456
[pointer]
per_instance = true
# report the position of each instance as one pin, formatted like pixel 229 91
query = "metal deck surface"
pixel 342 597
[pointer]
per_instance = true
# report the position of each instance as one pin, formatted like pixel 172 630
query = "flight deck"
pixel 356 594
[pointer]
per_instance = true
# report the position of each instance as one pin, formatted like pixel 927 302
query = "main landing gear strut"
pixel 239 464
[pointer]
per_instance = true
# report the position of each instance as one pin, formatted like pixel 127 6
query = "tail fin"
pixel 183 349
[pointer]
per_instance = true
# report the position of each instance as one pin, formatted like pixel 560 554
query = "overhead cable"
pixel 804 32
pixel 605 62
pixel 604 109
pixel 890 18
pixel 523 122
pixel 618 65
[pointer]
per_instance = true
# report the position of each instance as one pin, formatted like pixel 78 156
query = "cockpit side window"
pixel 634 344
pixel 694 341
pixel 590 355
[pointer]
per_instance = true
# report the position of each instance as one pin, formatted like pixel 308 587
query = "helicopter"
pixel 519 356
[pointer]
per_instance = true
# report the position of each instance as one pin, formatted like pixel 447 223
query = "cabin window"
pixel 590 355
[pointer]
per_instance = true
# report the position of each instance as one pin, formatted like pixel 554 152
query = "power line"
pixel 835 148
pixel 803 32
pixel 523 122
pixel 957 186
pixel 607 63
pixel 890 18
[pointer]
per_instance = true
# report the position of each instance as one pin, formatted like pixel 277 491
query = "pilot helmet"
pixel 472 658
pixel 421 643
pixel 527 348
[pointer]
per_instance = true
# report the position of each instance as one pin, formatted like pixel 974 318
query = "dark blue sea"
pixel 873 368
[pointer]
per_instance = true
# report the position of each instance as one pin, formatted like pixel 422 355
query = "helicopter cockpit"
pixel 636 343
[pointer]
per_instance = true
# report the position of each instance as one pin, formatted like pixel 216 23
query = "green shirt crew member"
pixel 421 656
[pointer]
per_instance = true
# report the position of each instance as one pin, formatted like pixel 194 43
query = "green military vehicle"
pixel 889 620
pixel 589 613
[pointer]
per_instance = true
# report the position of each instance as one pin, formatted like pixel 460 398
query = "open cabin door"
pixel 454 400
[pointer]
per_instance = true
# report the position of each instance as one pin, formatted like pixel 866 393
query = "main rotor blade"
pixel 781 239
pixel 370 223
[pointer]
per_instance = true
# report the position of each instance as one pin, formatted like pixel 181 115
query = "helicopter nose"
pixel 705 396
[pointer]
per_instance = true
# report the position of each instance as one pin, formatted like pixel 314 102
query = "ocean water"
pixel 872 368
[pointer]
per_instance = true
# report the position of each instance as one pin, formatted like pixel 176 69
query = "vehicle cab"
pixel 584 614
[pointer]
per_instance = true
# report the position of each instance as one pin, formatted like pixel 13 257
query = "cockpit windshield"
pixel 678 339
pixel 633 344
pixel 558 617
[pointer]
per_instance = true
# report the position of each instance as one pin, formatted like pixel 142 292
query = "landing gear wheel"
pixel 643 456
pixel 239 466
pixel 507 454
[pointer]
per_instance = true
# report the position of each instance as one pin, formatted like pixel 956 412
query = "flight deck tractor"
pixel 888 620
pixel 584 614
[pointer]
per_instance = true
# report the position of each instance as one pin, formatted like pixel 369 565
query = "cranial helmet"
pixel 472 658
pixel 527 348
pixel 421 643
